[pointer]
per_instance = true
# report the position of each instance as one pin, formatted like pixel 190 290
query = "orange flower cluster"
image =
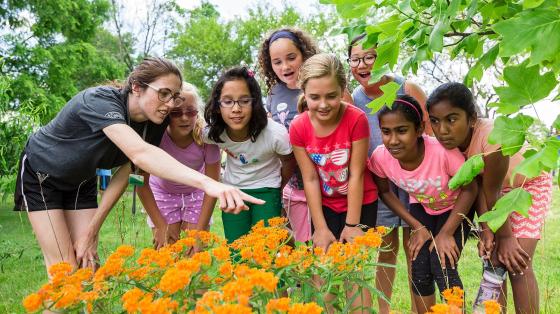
pixel 454 302
pixel 454 296
pixel 175 279
pixel 66 290
pixel 492 307
pixel 136 300
pixel 282 306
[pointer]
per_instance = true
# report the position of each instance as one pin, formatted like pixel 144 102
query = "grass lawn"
pixel 22 269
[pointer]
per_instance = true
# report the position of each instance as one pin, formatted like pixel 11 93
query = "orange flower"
pixel 232 289
pixel 131 298
pixel 491 307
pixel 188 241
pixel 282 304
pixel 139 273
pixel 277 221
pixel 60 268
pixel 190 265
pixel 67 297
pixel 174 279
pixel 208 301
pixel 454 296
pixel 203 257
pixel 113 267
pixel 232 309
pixel 33 302
pixel 445 309
pixel 89 296
pixel 163 306
pixel 381 230
pixel 226 270
pixel 125 250
pixel 146 256
pixel 308 308
pixel 221 253
pixel 264 279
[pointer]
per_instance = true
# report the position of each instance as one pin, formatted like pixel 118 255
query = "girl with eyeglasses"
pixel 173 207
pixel 259 156
pixel 418 164
pixel 361 62
pixel 103 127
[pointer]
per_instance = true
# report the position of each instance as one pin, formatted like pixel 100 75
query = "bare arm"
pixel 509 251
pixel 419 234
pixel 444 242
pixel 154 160
pixel 86 248
pixel 463 205
pixel 288 167
pixel 393 202
pixel 356 170
pixel 208 203
pixel 357 167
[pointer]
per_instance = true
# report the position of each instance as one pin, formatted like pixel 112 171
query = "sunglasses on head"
pixel 178 113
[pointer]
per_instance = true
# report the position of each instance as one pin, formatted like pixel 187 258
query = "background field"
pixel 22 270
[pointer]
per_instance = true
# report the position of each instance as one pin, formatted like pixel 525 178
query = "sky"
pixel 546 110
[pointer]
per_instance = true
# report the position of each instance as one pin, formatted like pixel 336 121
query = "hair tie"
pixel 283 34
pixel 250 72
pixel 410 105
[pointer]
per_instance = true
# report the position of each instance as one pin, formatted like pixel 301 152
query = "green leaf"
pixel 510 133
pixel 436 36
pixel 517 200
pixel 525 85
pixel 556 123
pixel 530 167
pixel 472 9
pixel 468 44
pixel 389 95
pixel 453 7
pixel 377 73
pixel 484 62
pixel 537 31
pixel 531 4
pixel 504 108
pixel 468 171
pixel 535 162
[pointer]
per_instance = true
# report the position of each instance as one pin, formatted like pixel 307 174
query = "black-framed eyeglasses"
pixel 165 95
pixel 229 103
pixel 178 113
pixel 368 59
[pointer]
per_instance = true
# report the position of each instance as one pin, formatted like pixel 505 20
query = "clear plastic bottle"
pixel 490 286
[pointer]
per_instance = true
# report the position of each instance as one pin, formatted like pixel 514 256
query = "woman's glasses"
pixel 368 59
pixel 229 103
pixel 165 95
pixel 178 113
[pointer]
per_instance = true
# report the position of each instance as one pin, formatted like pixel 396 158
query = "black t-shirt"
pixel 73 144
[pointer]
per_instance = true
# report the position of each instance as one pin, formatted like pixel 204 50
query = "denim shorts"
pixel 385 216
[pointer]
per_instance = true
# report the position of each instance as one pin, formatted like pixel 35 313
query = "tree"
pixel 48 55
pixel 523 36
pixel 205 44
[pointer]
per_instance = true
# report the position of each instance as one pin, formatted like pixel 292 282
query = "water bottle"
pixel 490 286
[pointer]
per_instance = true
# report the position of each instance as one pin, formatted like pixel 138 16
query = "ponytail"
pixel 302 104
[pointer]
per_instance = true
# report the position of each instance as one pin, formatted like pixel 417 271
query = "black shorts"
pixel 336 221
pixel 37 191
